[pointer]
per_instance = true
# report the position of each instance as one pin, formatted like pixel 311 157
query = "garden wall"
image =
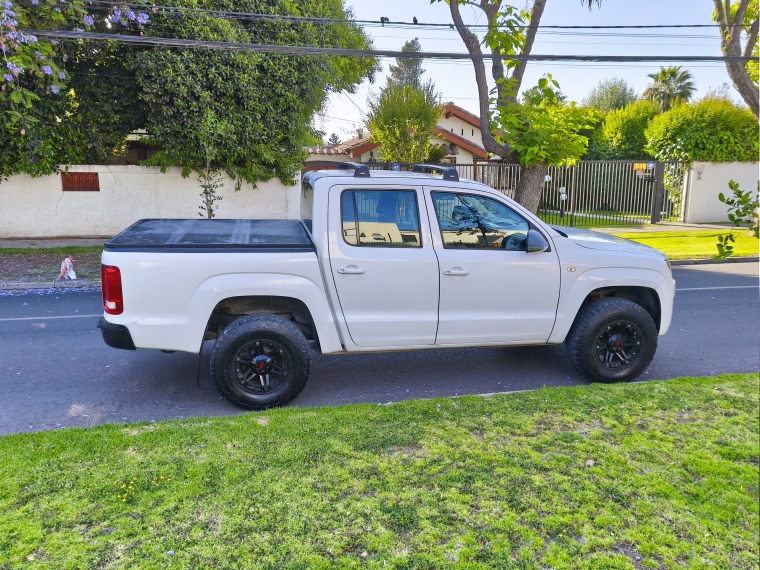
pixel 39 207
pixel 707 180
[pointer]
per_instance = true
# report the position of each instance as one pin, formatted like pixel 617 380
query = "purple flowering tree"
pixel 34 77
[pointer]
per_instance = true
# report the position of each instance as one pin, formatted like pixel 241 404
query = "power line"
pixel 312 50
pixel 344 21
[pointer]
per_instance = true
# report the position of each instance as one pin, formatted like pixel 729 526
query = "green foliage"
pixel 266 101
pixel 609 95
pixel 408 70
pixel 530 94
pixel 711 130
pixel 621 134
pixel 743 209
pixel 670 85
pixel 435 153
pixel 400 119
pixel 541 130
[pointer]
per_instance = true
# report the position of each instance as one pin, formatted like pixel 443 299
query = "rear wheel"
pixel 611 340
pixel 260 361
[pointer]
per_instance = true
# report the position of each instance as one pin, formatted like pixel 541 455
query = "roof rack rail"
pixel 449 173
pixel 360 170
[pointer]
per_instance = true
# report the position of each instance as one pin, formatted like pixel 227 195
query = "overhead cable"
pixel 311 50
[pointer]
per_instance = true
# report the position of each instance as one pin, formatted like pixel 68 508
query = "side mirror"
pixel 536 242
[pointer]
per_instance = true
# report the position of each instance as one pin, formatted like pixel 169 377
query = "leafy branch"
pixel 743 209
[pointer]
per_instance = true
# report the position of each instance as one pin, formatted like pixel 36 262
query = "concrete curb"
pixel 710 261
pixel 78 284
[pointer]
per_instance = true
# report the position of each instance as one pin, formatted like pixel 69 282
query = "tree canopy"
pixel 712 130
pixel 408 70
pixel 265 101
pixel 610 94
pixel 621 134
pixel 669 85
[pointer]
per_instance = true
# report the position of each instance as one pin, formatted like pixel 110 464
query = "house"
pixel 358 149
pixel 457 128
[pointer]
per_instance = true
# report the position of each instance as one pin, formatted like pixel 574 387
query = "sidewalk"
pixel 53 242
pixel 664 227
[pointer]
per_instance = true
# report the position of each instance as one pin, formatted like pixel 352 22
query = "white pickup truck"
pixel 381 261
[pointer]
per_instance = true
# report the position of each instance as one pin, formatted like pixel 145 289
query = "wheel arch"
pixel 640 286
pixel 231 309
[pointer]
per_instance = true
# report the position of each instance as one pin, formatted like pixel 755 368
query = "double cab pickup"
pixel 381 261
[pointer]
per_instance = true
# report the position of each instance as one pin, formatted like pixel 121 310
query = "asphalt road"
pixel 55 370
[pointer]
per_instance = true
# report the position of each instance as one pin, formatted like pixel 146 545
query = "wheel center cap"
pixel 262 364
pixel 615 343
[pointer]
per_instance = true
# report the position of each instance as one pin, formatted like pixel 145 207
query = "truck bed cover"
pixel 212 235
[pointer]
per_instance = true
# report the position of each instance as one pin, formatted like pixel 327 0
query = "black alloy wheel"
pixel 611 340
pixel 260 361
pixel 619 345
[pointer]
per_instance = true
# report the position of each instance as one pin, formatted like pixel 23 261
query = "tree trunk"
pixel 528 193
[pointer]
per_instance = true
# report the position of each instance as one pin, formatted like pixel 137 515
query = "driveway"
pixel 55 370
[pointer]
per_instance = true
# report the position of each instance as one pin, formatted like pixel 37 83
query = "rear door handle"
pixel 351 270
pixel 456 271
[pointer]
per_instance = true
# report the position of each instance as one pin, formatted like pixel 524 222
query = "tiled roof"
pixel 346 148
pixel 451 109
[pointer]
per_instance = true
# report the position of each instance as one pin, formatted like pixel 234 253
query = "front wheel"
pixel 611 340
pixel 260 361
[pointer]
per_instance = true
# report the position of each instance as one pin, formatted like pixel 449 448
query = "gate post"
pixel 657 191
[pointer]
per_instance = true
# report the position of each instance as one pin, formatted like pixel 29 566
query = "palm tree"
pixel 669 85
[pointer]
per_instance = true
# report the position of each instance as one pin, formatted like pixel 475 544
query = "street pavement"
pixel 55 370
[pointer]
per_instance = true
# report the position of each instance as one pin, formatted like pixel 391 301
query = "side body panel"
pixel 492 295
pixel 169 297
pixel 387 295
pixel 584 270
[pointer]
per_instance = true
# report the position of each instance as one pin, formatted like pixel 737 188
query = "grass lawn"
pixel 652 475
pixel 44 264
pixel 693 244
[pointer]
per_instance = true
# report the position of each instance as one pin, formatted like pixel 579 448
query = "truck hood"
pixel 596 240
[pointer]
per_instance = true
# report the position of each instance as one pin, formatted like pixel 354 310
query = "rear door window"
pixel 380 218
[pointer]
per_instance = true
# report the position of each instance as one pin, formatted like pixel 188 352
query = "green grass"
pixel 473 482
pixel 693 244
pixel 74 250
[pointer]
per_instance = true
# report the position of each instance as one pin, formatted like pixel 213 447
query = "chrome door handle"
pixel 351 270
pixel 456 271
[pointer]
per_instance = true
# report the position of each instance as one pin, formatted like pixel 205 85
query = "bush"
pixel 621 135
pixel 712 130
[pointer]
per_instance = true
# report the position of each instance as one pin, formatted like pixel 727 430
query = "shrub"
pixel 712 130
pixel 621 135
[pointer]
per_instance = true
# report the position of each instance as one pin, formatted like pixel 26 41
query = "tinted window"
pixel 475 222
pixel 380 218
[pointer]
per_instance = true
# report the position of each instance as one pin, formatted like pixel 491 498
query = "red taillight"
pixel 113 300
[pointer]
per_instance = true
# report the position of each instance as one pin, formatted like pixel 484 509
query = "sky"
pixel 455 80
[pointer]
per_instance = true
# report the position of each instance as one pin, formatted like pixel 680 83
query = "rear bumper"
pixel 116 336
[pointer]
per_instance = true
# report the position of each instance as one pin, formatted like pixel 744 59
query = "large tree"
pixel 80 109
pixel 733 20
pixel 610 94
pixel 535 135
pixel 408 70
pixel 669 85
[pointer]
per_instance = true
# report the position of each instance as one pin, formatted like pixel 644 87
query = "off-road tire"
pixel 260 327
pixel 590 323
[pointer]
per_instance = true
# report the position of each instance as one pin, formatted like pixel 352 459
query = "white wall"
pixel 37 207
pixel 707 180
pixel 462 128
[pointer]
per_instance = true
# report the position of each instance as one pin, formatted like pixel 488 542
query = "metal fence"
pixel 591 193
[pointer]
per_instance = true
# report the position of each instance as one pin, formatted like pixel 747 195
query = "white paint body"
pixel 386 299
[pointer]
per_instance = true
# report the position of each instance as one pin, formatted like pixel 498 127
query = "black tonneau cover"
pixel 212 235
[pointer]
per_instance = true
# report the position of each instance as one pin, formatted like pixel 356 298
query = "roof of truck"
pixel 414 177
